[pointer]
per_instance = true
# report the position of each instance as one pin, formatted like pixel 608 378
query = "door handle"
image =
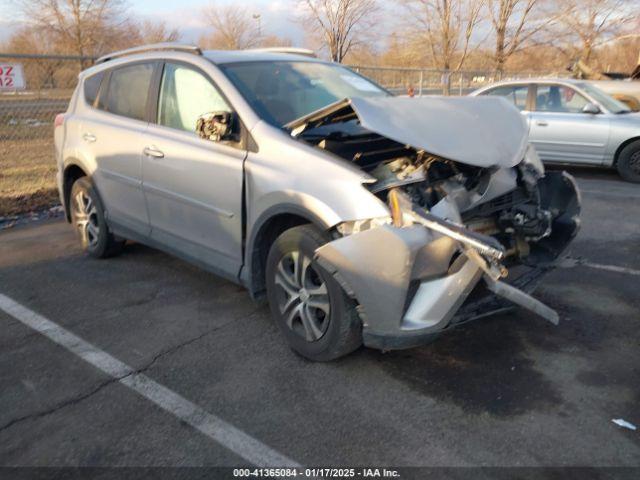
pixel 89 137
pixel 542 123
pixel 152 151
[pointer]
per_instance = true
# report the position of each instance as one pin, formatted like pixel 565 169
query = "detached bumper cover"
pixel 377 267
pixel 401 279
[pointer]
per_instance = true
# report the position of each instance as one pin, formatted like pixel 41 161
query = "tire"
pixel 629 162
pixel 87 217
pixel 317 318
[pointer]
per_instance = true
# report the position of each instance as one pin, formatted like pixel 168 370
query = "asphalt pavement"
pixel 509 390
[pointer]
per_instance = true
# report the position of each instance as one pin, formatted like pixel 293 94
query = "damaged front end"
pixel 474 219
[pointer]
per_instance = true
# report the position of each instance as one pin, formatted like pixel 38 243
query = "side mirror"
pixel 591 108
pixel 216 126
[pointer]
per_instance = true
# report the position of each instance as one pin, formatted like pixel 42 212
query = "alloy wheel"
pixel 85 216
pixel 303 298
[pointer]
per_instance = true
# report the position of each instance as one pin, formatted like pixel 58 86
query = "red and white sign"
pixel 11 77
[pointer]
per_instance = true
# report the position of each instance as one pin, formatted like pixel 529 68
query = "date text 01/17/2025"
pixel 316 472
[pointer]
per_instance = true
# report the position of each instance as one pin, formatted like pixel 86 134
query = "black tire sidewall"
pixel 325 348
pixel 624 169
pixel 101 248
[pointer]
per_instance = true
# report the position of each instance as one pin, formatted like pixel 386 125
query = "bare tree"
pixel 446 27
pixel 274 41
pixel 83 27
pixel 585 25
pixel 341 24
pixel 234 28
pixel 157 32
pixel 513 24
pixel 33 41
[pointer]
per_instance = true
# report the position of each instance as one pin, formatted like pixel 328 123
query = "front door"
pixel 561 132
pixel 193 186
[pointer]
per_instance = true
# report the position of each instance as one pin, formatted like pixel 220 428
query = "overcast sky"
pixel 276 16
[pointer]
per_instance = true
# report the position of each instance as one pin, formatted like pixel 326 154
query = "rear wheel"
pixel 629 162
pixel 87 216
pixel 315 315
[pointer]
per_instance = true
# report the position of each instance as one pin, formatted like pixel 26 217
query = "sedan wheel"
pixel 628 162
pixel 634 162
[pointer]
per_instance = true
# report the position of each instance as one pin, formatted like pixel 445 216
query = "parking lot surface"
pixel 510 390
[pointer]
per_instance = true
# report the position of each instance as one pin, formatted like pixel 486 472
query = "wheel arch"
pixel 273 222
pixel 622 146
pixel 72 172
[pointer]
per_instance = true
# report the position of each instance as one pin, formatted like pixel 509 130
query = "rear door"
pixel 114 134
pixel 193 186
pixel 561 132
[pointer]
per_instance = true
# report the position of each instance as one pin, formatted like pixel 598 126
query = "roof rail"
pixel 179 47
pixel 293 50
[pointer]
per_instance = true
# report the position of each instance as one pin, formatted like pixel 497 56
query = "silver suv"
pixel 363 217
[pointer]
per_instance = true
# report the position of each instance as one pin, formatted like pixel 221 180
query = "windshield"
pixel 283 91
pixel 604 99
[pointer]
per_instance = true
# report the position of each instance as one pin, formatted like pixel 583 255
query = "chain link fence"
pixel 424 81
pixel 27 167
pixel 27 115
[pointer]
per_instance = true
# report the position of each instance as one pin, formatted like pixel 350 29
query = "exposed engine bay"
pixel 494 213
pixel 518 219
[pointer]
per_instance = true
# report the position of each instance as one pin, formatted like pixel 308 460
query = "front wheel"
pixel 87 216
pixel 629 162
pixel 311 309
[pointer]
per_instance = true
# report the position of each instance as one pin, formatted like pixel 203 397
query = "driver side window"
pixel 185 94
pixel 559 98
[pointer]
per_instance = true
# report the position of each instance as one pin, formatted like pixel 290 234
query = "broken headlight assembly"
pixel 357 226
pixel 404 213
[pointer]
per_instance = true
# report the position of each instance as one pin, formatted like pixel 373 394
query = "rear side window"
pixel 92 86
pixel 128 90
pixel 516 94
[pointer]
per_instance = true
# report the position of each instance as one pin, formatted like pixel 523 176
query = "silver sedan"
pixel 574 122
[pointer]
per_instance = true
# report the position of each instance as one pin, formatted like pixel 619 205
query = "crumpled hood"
pixel 479 131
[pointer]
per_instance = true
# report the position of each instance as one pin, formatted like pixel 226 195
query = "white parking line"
pixel 212 426
pixel 611 268
pixel 569 262
pixel 615 193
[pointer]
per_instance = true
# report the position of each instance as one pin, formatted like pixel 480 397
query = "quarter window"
pixel 92 86
pixel 559 98
pixel 128 90
pixel 185 94
pixel 517 94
